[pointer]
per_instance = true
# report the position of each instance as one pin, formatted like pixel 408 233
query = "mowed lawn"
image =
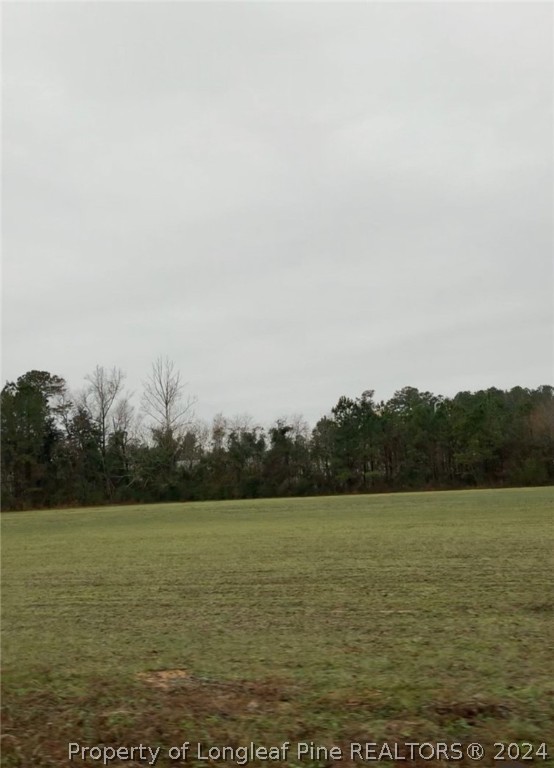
pixel 404 616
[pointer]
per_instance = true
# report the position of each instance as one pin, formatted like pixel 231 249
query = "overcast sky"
pixel 293 201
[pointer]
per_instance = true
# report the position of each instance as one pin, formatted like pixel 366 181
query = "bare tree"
pixel 164 398
pixel 100 395
pixel 241 422
pixel 219 431
pixel 300 427
pixel 123 416
pixel 100 399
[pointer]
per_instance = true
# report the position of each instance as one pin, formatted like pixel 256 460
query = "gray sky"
pixel 293 201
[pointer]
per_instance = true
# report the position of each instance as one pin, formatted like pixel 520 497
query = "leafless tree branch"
pixel 164 400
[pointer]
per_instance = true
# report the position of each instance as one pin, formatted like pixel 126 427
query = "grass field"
pixel 406 617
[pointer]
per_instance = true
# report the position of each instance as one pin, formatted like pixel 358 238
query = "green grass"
pixel 422 616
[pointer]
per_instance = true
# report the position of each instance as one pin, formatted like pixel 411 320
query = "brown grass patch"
pixel 206 696
pixel 471 711
pixel 164 707
pixel 165 679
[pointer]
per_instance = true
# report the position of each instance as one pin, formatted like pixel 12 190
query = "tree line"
pixel 95 447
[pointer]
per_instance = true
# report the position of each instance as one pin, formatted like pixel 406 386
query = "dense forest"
pixel 95 447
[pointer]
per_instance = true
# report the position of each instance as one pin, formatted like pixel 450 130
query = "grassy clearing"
pixel 406 616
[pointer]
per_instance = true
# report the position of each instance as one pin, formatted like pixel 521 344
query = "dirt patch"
pixel 165 679
pixel 226 698
pixel 471 711
pixel 404 729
